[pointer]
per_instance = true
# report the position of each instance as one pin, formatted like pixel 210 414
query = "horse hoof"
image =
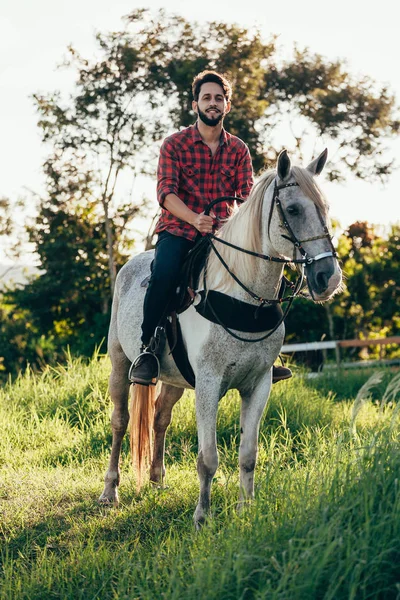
pixel 199 521
pixel 106 502
pixel 198 525
pixel 241 507
pixel 156 485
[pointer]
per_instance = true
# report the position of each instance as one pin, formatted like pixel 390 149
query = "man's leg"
pixel 170 253
pixel 280 373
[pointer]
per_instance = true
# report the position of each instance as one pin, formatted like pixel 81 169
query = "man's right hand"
pixel 203 223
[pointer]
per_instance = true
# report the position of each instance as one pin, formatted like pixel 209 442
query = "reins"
pixel 306 260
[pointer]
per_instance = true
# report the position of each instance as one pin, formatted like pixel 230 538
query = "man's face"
pixel 211 106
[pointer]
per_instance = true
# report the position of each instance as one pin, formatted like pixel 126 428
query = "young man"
pixel 196 165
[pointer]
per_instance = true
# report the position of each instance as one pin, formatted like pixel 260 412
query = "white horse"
pixel 284 220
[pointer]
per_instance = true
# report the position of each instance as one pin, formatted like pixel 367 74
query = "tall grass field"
pixel 325 522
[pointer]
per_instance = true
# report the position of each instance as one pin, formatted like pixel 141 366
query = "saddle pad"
pixel 179 352
pixel 236 314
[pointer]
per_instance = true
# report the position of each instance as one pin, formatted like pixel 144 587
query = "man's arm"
pixel 168 174
pixel 244 174
pixel 201 222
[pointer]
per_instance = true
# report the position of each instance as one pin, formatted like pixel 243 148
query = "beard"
pixel 211 122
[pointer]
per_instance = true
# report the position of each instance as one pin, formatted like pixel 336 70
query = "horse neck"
pixel 260 276
pixel 269 274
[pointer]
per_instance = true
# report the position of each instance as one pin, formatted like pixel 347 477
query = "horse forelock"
pixel 244 228
pixel 310 188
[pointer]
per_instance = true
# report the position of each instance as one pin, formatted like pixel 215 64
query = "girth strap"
pixel 237 314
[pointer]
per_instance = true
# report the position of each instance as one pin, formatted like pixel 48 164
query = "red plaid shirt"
pixel 187 168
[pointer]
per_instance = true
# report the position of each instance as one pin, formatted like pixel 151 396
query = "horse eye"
pixel 293 210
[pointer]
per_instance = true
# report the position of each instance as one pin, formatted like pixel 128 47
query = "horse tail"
pixel 143 400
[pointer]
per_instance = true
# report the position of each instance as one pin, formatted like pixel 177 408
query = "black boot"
pixel 145 368
pixel 280 373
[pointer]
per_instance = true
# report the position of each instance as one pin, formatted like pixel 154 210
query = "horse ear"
pixel 316 166
pixel 283 165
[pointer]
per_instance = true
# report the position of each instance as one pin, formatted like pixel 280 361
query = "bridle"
pixel 306 260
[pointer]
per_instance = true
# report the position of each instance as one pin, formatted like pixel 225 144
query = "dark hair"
pixel 214 77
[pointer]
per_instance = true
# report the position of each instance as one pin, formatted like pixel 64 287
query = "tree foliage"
pixel 319 98
pixel 372 297
pixel 355 116
pixel 370 303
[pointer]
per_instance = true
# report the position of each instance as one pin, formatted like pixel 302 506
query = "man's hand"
pixel 203 223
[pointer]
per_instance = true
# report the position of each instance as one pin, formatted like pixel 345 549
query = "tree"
pixel 9 232
pixel 355 116
pixel 103 127
pixel 140 88
pixel 70 300
pixel 372 295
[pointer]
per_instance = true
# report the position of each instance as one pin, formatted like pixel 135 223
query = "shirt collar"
pixel 197 137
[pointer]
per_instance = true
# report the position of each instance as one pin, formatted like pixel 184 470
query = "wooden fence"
pixel 337 344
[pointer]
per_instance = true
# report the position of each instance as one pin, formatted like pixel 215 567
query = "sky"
pixel 34 37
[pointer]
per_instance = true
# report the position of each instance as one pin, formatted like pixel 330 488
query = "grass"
pixel 325 522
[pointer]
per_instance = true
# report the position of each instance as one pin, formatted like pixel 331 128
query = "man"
pixel 196 165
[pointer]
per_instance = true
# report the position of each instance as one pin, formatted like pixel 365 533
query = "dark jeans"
pixel 170 253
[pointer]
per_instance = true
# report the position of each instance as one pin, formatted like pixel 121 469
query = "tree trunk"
pixel 110 250
pixel 110 247
pixel 107 223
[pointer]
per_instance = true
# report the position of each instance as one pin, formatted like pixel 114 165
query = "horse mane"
pixel 243 229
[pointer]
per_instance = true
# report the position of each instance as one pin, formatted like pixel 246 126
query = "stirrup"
pixel 131 376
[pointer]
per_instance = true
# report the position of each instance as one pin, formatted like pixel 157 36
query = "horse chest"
pixel 233 363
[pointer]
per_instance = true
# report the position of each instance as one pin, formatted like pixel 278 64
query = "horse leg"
pixel 165 402
pixel 207 461
pixel 252 408
pixel 119 391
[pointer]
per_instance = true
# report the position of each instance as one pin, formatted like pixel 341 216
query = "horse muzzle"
pixel 323 277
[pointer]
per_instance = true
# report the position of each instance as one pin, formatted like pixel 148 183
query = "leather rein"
pixel 306 260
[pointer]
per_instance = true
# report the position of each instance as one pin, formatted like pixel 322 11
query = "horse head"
pixel 298 224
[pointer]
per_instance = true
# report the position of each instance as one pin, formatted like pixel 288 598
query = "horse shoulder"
pixel 195 332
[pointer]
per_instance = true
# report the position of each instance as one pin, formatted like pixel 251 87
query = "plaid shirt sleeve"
pixel 167 172
pixel 244 174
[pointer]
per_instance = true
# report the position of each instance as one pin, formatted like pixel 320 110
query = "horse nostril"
pixel 322 280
